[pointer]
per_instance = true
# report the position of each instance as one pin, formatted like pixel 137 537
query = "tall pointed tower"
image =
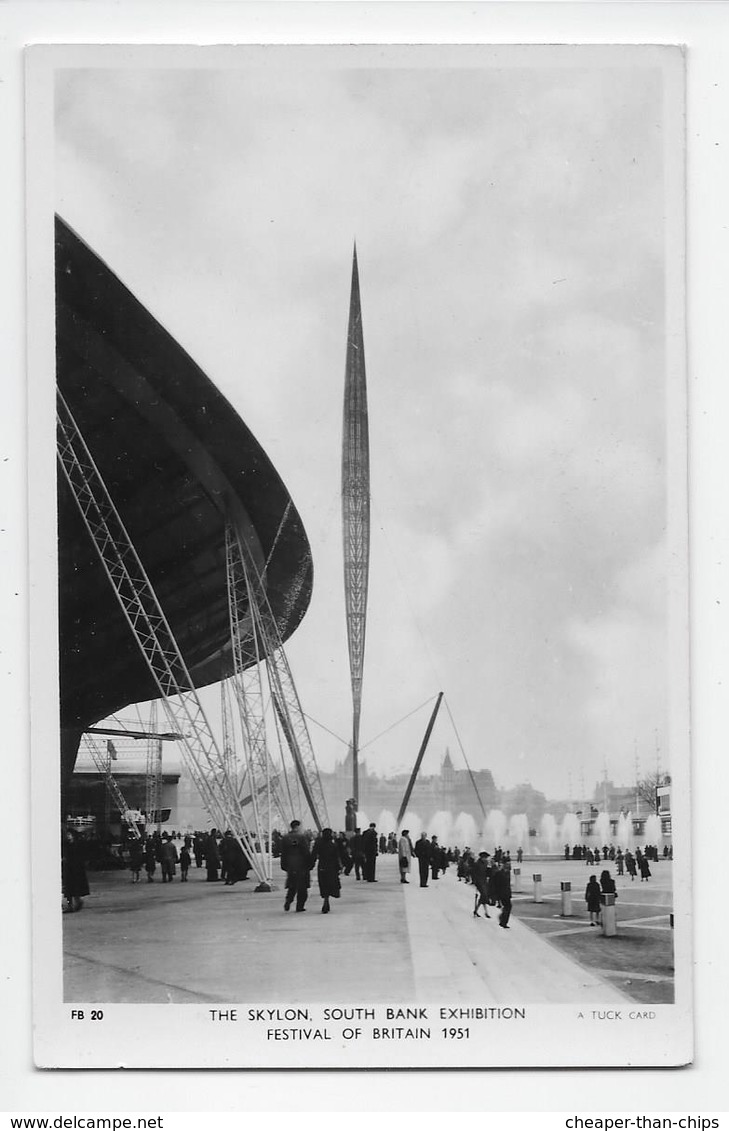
pixel 355 509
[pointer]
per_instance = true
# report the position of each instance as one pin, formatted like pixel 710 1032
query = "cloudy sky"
pixel 509 212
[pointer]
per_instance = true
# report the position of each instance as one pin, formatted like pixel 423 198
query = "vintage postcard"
pixel 359 626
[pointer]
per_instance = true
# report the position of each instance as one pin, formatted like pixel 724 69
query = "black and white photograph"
pixel 359 636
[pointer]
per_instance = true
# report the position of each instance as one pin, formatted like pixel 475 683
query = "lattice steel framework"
pixel 153 779
pixel 256 639
pixel 248 687
pixel 102 762
pixel 355 509
pixel 154 636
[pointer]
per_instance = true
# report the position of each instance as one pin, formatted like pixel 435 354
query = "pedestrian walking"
pixel 150 859
pixel 434 857
pixel 592 899
pixel 481 875
pixel 136 859
pixel 358 856
pixel 404 855
pixel 369 847
pixel 326 856
pixel 296 863
pixel 74 880
pixel 345 853
pixel 500 886
pixel 168 859
pixel 212 856
pixel 422 851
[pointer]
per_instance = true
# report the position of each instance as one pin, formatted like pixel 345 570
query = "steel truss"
pixel 153 779
pixel 154 636
pixel 256 638
pixel 103 765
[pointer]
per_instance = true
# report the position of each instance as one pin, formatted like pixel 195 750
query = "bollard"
pixel 516 879
pixel 537 877
pixel 609 914
pixel 566 887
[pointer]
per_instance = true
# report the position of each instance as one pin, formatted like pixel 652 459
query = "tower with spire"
pixel 355 508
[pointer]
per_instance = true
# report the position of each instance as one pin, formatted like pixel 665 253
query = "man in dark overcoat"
pixel 434 858
pixel 369 847
pixel 73 871
pixel 296 863
pixel 422 851
pixel 212 857
pixel 500 888
pixel 168 859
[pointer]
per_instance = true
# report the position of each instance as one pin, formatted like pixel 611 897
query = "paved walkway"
pixel 457 957
pixel 200 942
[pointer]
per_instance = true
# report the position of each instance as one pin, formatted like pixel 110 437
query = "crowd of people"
pixel 331 855
pixel 611 852
pixel 335 855
pixel 627 861
pixel 222 857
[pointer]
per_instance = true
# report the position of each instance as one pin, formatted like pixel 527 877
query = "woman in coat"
pixel 404 855
pixel 592 899
pixel 645 868
pixel 328 861
pixel 73 872
pixel 212 859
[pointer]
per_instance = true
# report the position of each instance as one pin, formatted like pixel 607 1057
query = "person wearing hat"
pixel 370 846
pixel 481 874
pixel 500 889
pixel 296 863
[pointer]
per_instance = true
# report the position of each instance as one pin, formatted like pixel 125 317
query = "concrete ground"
pixel 384 942
pixel 639 960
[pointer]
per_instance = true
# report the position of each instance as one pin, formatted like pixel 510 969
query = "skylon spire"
pixel 355 508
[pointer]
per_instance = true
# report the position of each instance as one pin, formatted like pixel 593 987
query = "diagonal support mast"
pixel 355 509
pixel 419 759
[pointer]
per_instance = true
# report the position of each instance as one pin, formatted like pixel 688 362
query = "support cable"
pixel 397 724
pixel 465 759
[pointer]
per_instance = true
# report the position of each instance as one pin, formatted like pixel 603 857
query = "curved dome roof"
pixel 176 459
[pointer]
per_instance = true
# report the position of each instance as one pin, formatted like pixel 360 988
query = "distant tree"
pixel 647 786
